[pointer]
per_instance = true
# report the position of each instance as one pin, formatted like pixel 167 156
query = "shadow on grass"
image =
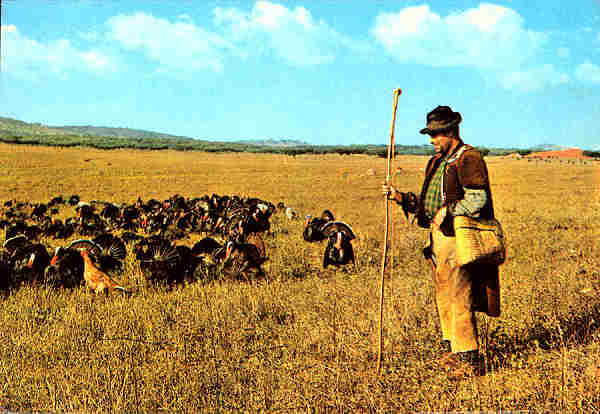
pixel 568 330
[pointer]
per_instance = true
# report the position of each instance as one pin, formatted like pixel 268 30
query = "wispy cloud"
pixel 588 72
pixel 489 38
pixel 26 57
pixel 292 35
pixel 534 79
pixel 178 44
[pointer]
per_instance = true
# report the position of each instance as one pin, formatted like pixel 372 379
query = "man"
pixel 456 183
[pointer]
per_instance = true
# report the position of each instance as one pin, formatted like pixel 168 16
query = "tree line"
pixel 189 144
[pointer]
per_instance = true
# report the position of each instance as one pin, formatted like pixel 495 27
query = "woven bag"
pixel 479 241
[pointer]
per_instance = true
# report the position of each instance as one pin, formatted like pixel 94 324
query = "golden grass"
pixel 304 339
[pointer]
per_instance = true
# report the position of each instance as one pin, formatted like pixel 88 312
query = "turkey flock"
pixel 90 246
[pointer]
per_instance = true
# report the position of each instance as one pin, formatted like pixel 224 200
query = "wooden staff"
pixel 388 181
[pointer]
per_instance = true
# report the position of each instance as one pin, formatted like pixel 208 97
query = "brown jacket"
pixel 467 171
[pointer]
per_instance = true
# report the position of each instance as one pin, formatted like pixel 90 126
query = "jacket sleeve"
pixel 471 205
pixel 472 171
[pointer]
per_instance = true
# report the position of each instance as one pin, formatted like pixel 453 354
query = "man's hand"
pixel 389 191
pixel 439 218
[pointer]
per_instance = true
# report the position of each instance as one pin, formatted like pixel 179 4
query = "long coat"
pixel 467 171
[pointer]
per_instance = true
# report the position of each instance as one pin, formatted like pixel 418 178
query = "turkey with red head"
pixel 66 268
pixel 28 263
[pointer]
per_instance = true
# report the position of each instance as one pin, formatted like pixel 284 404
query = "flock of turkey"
pixel 103 234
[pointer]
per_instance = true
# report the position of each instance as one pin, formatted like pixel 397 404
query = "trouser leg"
pixel 443 287
pixel 464 323
pixel 454 297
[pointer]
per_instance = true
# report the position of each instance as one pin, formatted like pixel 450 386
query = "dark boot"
pixel 447 354
pixel 466 364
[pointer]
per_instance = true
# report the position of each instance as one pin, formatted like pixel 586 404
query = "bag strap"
pixel 450 160
pixel 457 154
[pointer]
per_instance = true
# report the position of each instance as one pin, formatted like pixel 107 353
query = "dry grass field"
pixel 304 339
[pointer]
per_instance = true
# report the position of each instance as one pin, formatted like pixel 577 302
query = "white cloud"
pixel 179 45
pixel 488 37
pixel 534 79
pixel 95 59
pixel 292 35
pixel 588 72
pixel 25 57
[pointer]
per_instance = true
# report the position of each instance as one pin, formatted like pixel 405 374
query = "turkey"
pixel 66 268
pixel 209 250
pixel 242 261
pixel 56 229
pixel 38 211
pixel 28 263
pixel 111 213
pixel 339 249
pixel 111 252
pixel 74 199
pixel 95 279
pixel 159 260
pixel 312 229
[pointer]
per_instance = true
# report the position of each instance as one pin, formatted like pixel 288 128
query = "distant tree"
pixel 594 154
pixel 484 151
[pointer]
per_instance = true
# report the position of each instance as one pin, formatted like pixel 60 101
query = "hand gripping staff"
pixel 388 180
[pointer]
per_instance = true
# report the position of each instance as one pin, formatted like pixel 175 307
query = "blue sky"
pixel 521 72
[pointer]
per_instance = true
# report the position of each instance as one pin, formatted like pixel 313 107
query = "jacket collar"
pixel 448 155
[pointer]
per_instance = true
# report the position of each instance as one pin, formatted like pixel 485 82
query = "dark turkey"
pixel 312 229
pixel 112 252
pixel 339 249
pixel 28 263
pixel 159 260
pixel 66 269
pixel 242 261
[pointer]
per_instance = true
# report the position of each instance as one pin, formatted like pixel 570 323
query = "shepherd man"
pixel 456 183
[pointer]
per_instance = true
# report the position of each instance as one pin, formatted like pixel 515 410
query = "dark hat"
pixel 441 119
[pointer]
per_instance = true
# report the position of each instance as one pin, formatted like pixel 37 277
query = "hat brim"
pixel 446 127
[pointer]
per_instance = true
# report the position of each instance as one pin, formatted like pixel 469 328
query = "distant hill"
pixel 114 132
pixel 9 125
pixel 19 132
pixel 16 126
pixel 275 142
pixel 20 127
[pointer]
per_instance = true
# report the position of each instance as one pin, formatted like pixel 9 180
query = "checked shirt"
pixel 433 197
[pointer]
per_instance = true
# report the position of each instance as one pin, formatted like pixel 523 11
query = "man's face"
pixel 440 142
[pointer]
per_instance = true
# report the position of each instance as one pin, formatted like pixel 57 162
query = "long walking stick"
pixel 388 180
